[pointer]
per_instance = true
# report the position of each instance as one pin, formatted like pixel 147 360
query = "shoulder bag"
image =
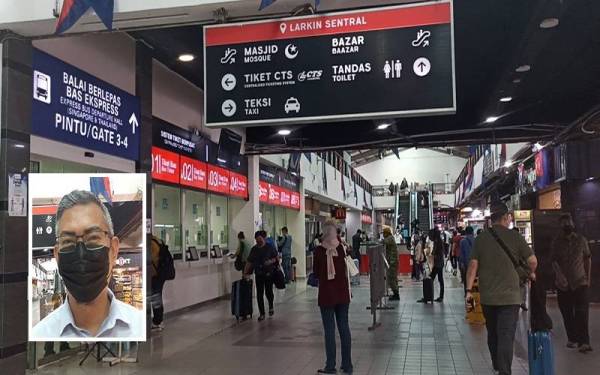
pixel 522 269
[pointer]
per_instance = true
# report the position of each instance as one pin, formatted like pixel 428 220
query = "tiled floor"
pixel 413 339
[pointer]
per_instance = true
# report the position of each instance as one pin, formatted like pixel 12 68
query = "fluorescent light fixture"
pixel 523 68
pixel 186 57
pixel 467 209
pixel 517 80
pixel 487 213
pixel 18 145
pixel 537 147
pixel 383 126
pixel 222 160
pixel 476 213
pixel 284 132
pixel 590 179
pixel 506 99
pixel 549 23
pixel 491 119
pixel 508 163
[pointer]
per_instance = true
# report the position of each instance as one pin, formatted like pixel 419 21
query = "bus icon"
pixel 41 87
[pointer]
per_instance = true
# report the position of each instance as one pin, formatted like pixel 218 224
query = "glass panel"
pixel 280 221
pixel 167 217
pixel 195 227
pixel 268 218
pixel 218 221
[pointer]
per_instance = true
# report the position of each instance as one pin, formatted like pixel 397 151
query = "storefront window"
pixel 195 227
pixel 167 217
pixel 280 221
pixel 218 221
pixel 268 218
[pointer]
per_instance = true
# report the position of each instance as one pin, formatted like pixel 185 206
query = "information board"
pixel 74 107
pixel 373 63
pixel 218 179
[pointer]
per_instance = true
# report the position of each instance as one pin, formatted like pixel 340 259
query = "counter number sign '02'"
pixel 77 108
pixel 382 62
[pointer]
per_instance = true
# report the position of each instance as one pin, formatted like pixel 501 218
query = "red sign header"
pixel 193 173
pixel 238 185
pixel 218 179
pixel 338 23
pixel 165 165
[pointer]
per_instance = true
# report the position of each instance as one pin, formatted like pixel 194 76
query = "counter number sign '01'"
pixel 382 62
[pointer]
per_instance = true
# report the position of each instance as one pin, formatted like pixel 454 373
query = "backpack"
pixel 166 268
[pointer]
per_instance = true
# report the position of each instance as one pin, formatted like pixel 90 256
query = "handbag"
pixel 312 280
pixel 352 269
pixel 278 277
pixel 523 270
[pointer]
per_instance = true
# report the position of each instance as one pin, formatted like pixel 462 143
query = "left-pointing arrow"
pixel 133 121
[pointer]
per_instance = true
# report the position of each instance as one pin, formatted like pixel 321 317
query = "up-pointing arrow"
pixel 133 121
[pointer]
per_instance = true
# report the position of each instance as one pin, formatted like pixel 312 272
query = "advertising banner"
pixel 165 165
pixel 74 107
pixel 319 68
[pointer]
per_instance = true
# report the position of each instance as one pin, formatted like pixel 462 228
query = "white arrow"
pixel 134 122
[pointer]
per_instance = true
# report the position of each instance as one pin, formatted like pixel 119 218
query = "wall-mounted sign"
pixel 43 224
pixel 77 108
pixel 263 192
pixel 193 173
pixel 366 218
pixel 238 185
pixel 338 213
pixel 218 179
pixel 319 68
pixel 175 139
pixel 165 165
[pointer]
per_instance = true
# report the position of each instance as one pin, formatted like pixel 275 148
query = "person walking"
pixel 356 240
pixel 334 298
pixel 156 286
pixel 391 254
pixel 499 283
pixel 455 250
pixel 242 252
pixel 438 262
pixel 285 245
pixel 262 261
pixel 466 246
pixel 572 261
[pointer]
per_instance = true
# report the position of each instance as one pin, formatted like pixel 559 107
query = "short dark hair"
pixel 359 231
pixel 259 233
pixel 469 230
pixel 241 236
pixel 284 229
pixel 498 210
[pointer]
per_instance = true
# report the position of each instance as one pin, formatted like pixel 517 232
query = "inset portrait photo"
pixel 87 257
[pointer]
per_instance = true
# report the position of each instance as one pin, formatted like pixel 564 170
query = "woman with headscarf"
pixel 334 297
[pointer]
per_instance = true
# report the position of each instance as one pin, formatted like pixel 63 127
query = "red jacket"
pixel 336 291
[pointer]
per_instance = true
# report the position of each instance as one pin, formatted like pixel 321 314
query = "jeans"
pixel 286 263
pixel 454 262
pixel 574 307
pixel 501 324
pixel 439 272
pixel 331 315
pixel 264 285
pixel 156 301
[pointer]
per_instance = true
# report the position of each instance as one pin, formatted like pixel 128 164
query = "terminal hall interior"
pixel 213 131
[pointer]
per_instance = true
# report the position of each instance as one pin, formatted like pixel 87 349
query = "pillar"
pixel 15 125
pixel 297 228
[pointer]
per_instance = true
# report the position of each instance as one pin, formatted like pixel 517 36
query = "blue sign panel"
pixel 74 107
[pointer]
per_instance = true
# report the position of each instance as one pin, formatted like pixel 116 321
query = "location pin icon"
pixel 283 27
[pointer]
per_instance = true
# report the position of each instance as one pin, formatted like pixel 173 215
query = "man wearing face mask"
pixel 86 250
pixel 572 261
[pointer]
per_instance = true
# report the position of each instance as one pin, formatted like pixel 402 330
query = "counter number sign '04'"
pixel 382 62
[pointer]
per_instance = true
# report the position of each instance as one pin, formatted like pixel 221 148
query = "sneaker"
pixel 158 327
pixel 326 371
pixel 571 345
pixel 585 348
pixel 271 312
pixel 346 371
pixel 440 299
pixel 261 318
pixel 395 297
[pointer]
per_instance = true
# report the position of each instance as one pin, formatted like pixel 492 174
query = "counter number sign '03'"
pixel 373 63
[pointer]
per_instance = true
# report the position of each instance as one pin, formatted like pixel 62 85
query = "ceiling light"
pixel 186 57
pixel 523 68
pixel 517 80
pixel 383 126
pixel 491 119
pixel 506 99
pixel 549 23
pixel 19 145
pixel 590 179
pixel 537 147
pixel 284 132
pixel 508 163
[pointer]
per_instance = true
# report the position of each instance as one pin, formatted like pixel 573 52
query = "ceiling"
pixel 363 157
pixel 492 39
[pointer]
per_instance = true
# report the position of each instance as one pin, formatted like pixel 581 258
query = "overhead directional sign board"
pixel 375 63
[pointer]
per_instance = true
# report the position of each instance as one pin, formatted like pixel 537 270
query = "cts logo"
pixel 311 75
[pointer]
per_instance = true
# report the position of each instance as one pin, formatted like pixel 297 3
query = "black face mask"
pixel 84 271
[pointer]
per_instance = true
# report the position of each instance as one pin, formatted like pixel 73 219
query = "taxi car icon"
pixel 292 105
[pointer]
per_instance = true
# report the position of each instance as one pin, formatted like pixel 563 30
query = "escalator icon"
pixel 229 57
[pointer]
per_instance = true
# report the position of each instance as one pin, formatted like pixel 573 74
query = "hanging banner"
pixel 319 68
pixel 74 107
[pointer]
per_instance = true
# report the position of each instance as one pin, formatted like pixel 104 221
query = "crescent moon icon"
pixel 291 51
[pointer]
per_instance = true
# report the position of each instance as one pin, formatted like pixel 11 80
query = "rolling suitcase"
pixel 428 289
pixel 541 354
pixel 241 299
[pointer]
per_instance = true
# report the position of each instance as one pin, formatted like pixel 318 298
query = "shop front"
pixel 197 190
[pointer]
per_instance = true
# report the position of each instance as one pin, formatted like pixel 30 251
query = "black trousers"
pixel 574 307
pixel 439 272
pixel 264 285
pixel 463 277
pixel 501 324
pixel 156 301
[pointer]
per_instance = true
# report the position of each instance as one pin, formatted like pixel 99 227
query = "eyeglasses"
pixel 91 239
